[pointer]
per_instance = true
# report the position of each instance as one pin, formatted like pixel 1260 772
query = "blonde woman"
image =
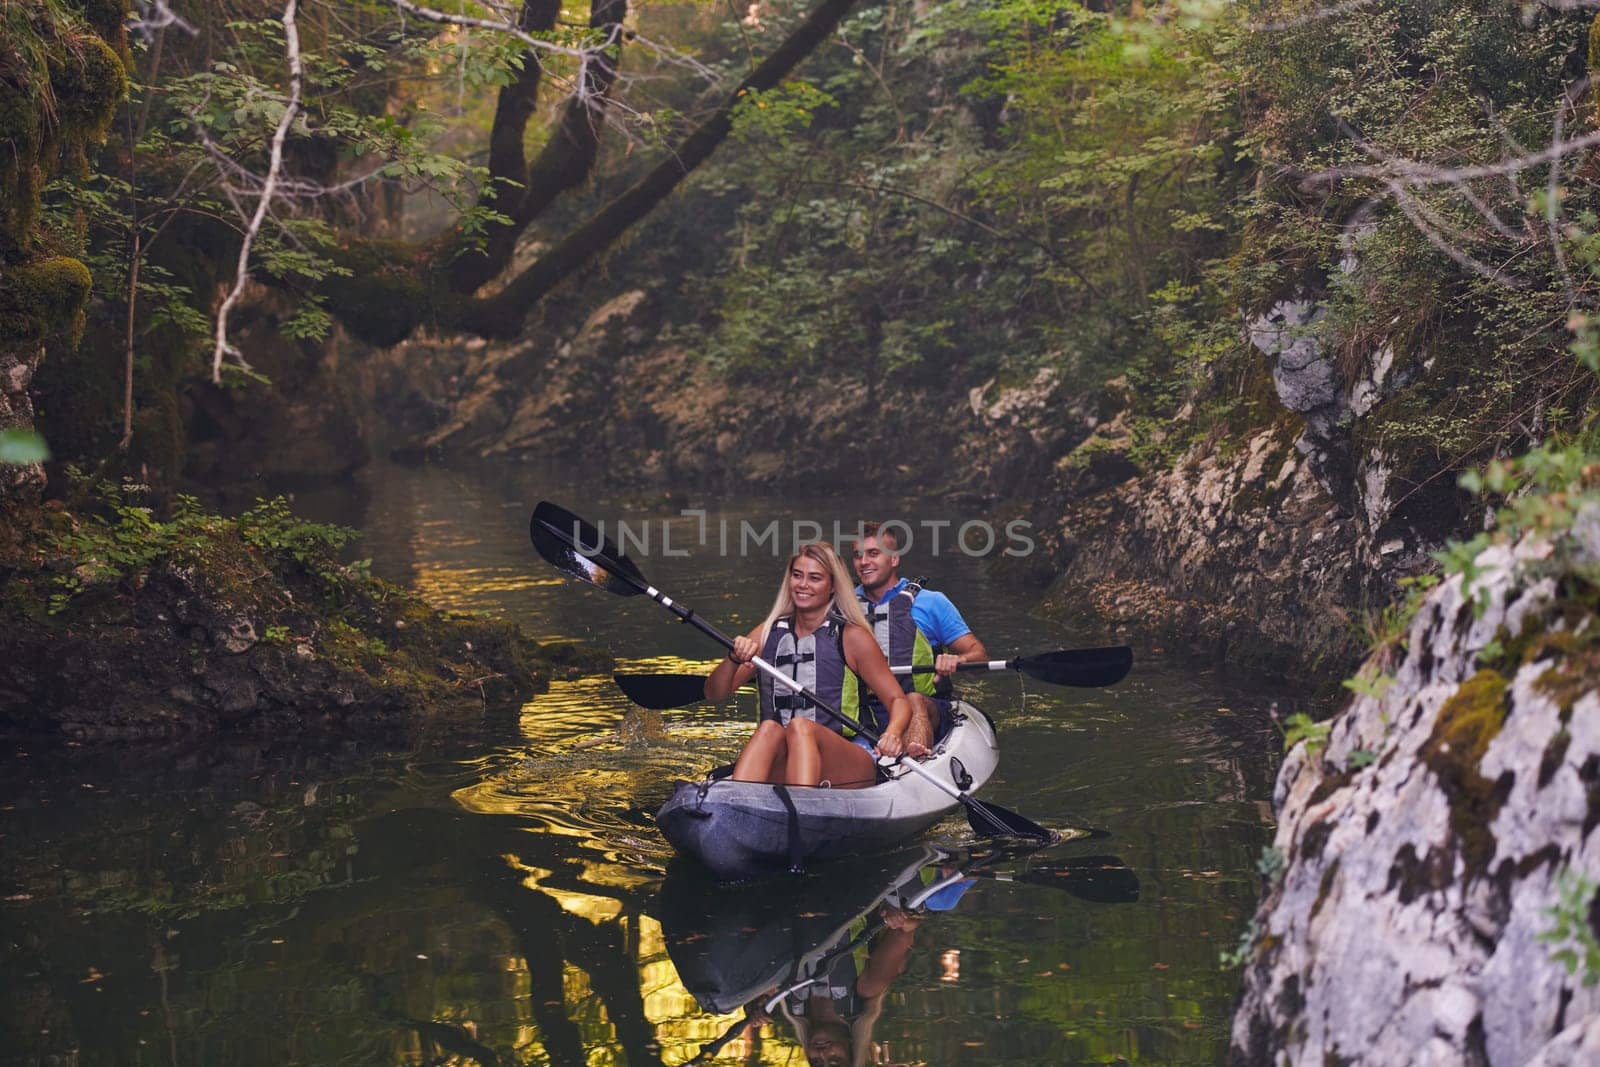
pixel 817 635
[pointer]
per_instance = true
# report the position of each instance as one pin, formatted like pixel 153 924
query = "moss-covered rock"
pixel 114 625
pixel 1414 911
pixel 88 87
pixel 61 80
pixel 382 299
pixel 44 299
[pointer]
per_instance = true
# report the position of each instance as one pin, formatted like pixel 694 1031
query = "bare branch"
pixel 269 185
pixel 507 25
pixel 1415 211
pixel 155 15
pixel 1413 172
pixel 1552 202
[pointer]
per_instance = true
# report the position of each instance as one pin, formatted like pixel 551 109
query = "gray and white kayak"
pixel 742 830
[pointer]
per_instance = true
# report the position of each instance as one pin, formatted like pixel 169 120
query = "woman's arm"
pixel 862 654
pixel 889 953
pixel 735 668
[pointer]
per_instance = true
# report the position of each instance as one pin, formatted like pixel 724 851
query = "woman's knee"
pixel 805 729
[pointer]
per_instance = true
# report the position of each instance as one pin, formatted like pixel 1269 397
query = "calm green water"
pixel 493 891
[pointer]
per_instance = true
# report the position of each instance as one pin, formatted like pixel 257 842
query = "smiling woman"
pixel 821 640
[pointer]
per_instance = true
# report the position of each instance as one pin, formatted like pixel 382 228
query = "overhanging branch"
pixel 502 315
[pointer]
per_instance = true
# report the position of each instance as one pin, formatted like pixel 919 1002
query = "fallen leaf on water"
pixel 1160 966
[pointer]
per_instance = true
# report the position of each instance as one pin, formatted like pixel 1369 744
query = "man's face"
pixel 875 564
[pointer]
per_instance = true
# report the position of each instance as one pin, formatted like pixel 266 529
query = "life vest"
pixel 903 644
pixel 817 662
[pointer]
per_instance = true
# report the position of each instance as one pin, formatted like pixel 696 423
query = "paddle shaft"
pixel 974 665
pixel 687 614
pixel 613 565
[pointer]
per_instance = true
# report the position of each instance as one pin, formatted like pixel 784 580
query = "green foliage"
pixel 1360 758
pixel 274 529
pixel 1369 683
pixel 60 83
pixel 1546 492
pixel 44 299
pixel 778 113
pixel 1572 930
pixel 122 538
pixel 1245 950
pixel 1302 727
pixel 1270 863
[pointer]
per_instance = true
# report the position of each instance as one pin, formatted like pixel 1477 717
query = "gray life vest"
pixel 817 662
pixel 903 645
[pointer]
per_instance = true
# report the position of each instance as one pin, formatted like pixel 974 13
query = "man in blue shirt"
pixel 877 564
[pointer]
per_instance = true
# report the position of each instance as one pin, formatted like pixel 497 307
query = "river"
pixel 493 891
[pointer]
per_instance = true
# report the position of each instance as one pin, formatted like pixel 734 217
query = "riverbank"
pixel 1266 556
pixel 119 625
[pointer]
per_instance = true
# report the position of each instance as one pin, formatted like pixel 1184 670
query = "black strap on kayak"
pixel 797 852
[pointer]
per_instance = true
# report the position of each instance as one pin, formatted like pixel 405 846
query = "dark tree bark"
pixel 516 189
pixel 393 288
pixel 503 314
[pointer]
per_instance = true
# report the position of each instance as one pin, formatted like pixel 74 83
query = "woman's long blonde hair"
pixel 844 600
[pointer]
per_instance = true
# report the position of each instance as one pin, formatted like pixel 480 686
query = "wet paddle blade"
pixel 576 548
pixel 991 820
pixel 661 691
pixel 1082 667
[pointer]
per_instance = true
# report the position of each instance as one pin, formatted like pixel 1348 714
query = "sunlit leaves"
pixel 779 112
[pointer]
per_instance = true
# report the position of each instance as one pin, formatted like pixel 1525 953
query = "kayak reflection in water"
pixel 791 953
pixel 834 1012
pixel 817 634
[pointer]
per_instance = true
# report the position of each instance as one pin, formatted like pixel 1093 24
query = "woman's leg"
pixel 817 753
pixel 764 753
pixel 920 732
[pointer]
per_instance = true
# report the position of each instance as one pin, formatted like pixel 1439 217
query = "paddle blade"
pixel 1083 667
pixel 991 820
pixel 661 691
pixel 573 546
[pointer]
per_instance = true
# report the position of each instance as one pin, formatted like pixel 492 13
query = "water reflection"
pixel 495 893
pixel 821 953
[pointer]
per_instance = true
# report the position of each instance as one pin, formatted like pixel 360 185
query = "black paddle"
pixel 574 546
pixel 1081 667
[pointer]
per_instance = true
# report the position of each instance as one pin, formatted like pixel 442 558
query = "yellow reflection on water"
pixel 593 908
pixel 456 588
pixel 682 1027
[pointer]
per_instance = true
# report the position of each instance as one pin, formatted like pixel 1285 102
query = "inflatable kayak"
pixel 742 830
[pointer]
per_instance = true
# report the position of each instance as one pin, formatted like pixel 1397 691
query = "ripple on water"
pixel 592 768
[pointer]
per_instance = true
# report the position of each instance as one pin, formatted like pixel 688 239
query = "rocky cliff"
pixel 1438 851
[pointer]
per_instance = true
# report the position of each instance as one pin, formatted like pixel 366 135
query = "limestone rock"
pixel 1425 844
